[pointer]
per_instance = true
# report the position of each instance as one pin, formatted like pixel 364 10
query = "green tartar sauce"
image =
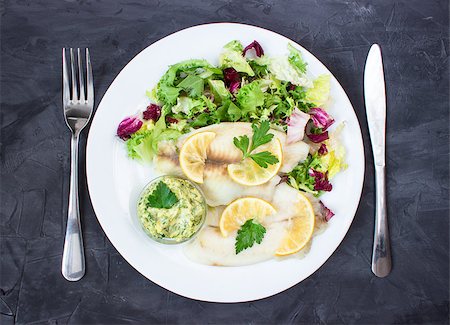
pixel 179 222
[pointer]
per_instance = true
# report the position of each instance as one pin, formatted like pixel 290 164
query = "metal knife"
pixel 375 99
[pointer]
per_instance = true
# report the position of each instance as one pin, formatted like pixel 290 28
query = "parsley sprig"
pixel 162 197
pixel 260 136
pixel 249 234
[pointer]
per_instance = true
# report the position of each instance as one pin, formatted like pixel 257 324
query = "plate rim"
pixel 362 161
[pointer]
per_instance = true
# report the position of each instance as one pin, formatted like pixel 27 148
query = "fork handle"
pixel 73 266
pixel 381 255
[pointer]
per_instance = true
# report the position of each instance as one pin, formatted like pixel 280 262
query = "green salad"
pixel 245 86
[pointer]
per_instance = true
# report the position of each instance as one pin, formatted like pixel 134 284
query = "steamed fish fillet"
pixel 218 187
pixel 211 248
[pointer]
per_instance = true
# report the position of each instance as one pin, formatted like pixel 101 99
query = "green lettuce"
pixel 296 60
pixel 219 90
pixel 231 57
pixel 249 98
pixel 168 88
pixel 334 160
pixel 188 106
pixel 320 92
pixel 192 85
pixel 227 112
pixel 143 145
pixel 300 177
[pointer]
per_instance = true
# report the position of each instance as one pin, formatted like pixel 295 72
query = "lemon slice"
pixel 241 210
pixel 193 155
pixel 249 173
pixel 300 229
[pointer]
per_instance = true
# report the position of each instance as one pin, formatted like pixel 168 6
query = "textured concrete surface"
pixel 35 162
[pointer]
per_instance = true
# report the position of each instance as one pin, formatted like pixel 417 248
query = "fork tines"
pixel 81 91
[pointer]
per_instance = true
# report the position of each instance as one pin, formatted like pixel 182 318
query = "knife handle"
pixel 381 255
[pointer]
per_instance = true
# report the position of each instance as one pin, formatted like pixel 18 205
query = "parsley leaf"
pixel 242 144
pixel 264 158
pixel 249 233
pixel 260 137
pixel 162 197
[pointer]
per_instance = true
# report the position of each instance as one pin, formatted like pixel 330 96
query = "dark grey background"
pixel 35 162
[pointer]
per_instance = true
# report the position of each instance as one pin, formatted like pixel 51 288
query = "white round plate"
pixel 115 181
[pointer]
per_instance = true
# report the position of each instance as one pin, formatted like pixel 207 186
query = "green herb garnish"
pixel 162 197
pixel 249 234
pixel 260 137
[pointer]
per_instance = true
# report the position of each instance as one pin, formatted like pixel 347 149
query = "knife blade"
pixel 375 100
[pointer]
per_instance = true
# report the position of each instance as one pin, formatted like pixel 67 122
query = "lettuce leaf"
pixel 296 126
pixel 249 98
pixel 227 112
pixel 188 106
pixel 234 45
pixel 282 69
pixel 143 145
pixel 167 95
pixel 296 60
pixel 259 67
pixel 231 57
pixel 320 92
pixel 300 177
pixel 192 85
pixel 166 92
pixel 334 160
pixel 219 90
pixel 234 112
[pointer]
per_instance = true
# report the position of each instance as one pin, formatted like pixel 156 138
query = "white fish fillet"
pixel 211 248
pixel 218 187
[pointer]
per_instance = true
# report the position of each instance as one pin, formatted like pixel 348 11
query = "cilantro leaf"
pixel 249 234
pixel 260 135
pixel 162 197
pixel 264 158
pixel 242 144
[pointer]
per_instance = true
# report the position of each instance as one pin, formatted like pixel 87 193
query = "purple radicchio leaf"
pixel 256 46
pixel 283 178
pixel 171 119
pixel 153 112
pixel 232 79
pixel 327 213
pixel 321 118
pixel 317 138
pixel 321 181
pixel 291 86
pixel 128 126
pixel 296 126
pixel 323 150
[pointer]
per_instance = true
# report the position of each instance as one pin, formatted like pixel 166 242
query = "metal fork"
pixel 78 106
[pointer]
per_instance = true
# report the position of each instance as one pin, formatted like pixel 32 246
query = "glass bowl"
pixel 182 221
